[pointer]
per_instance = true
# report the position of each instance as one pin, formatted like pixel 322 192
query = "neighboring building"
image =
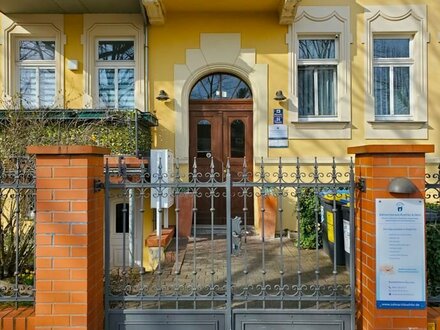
pixel 352 71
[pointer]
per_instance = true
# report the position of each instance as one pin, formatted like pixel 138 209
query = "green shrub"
pixel 433 250
pixel 116 130
pixel 309 211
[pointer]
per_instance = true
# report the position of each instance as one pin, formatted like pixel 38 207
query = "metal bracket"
pixel 361 185
pixel 98 185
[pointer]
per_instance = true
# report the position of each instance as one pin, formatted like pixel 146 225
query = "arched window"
pixel 220 86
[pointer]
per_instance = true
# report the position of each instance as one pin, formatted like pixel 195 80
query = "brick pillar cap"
pixel 67 150
pixel 391 149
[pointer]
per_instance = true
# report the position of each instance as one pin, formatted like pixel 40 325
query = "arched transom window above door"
pixel 220 86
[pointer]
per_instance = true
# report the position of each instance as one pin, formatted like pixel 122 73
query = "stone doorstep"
pixel 166 237
pixel 433 318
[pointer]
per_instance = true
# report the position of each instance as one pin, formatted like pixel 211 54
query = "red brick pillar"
pixel 378 165
pixel 69 237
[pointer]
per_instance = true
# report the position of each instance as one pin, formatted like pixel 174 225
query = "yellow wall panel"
pixel 73 79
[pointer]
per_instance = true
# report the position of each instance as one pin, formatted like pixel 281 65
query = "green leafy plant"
pixel 433 247
pixel 308 211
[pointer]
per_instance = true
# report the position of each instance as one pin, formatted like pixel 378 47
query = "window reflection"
pixel 220 86
pixel 111 50
pixel 203 138
pixel 237 139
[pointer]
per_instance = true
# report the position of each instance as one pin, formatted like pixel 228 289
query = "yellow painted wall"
pixel 73 50
pixel 262 32
pixel 168 45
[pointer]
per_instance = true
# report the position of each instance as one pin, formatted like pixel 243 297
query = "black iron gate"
pixel 235 277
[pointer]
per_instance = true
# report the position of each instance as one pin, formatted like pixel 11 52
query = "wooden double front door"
pixel 221 131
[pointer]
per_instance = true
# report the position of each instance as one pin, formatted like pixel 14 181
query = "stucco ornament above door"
pixel 220 52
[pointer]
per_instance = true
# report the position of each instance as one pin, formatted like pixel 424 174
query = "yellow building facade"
pixel 254 80
pixel 175 45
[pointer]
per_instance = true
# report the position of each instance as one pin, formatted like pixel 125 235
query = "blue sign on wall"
pixel 278 116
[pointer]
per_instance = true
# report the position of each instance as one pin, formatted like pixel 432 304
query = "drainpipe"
pixel 146 89
pixel 138 244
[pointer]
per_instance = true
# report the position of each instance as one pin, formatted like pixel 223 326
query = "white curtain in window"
pixel 37 87
pixel 116 88
pixel 47 87
pixel 306 89
pixel 319 82
pixel 326 91
pixel 125 88
pixel 399 90
pixel 106 83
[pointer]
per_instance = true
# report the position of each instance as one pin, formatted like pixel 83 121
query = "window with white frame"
pixel 392 63
pixel 36 68
pixel 396 72
pixel 320 86
pixel 317 77
pixel 115 64
pixel 32 53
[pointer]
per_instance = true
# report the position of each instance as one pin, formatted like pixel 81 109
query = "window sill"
pixel 395 124
pixel 321 124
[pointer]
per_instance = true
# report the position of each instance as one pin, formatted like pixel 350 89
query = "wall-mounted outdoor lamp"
pixel 163 96
pixel 279 96
pixel 401 186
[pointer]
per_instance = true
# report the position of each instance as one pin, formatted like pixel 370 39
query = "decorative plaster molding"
pixel 288 11
pixel 220 52
pixel 332 21
pixel 410 21
pixel 155 11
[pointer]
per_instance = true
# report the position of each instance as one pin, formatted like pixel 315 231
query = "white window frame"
pixel 31 27
pixel 316 63
pixel 115 65
pixel 398 21
pixel 33 64
pixel 316 22
pixel 112 27
pixel 391 63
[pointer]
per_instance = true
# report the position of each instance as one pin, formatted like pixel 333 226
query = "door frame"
pixel 224 110
pixel 232 59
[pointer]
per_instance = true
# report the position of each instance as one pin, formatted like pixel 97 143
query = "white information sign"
pixel 400 254
pixel 278 136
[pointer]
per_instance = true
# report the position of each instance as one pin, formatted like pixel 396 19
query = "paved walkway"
pixel 272 268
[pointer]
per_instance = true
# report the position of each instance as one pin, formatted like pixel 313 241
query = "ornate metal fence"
pixel 432 194
pixel 230 271
pixel 17 214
